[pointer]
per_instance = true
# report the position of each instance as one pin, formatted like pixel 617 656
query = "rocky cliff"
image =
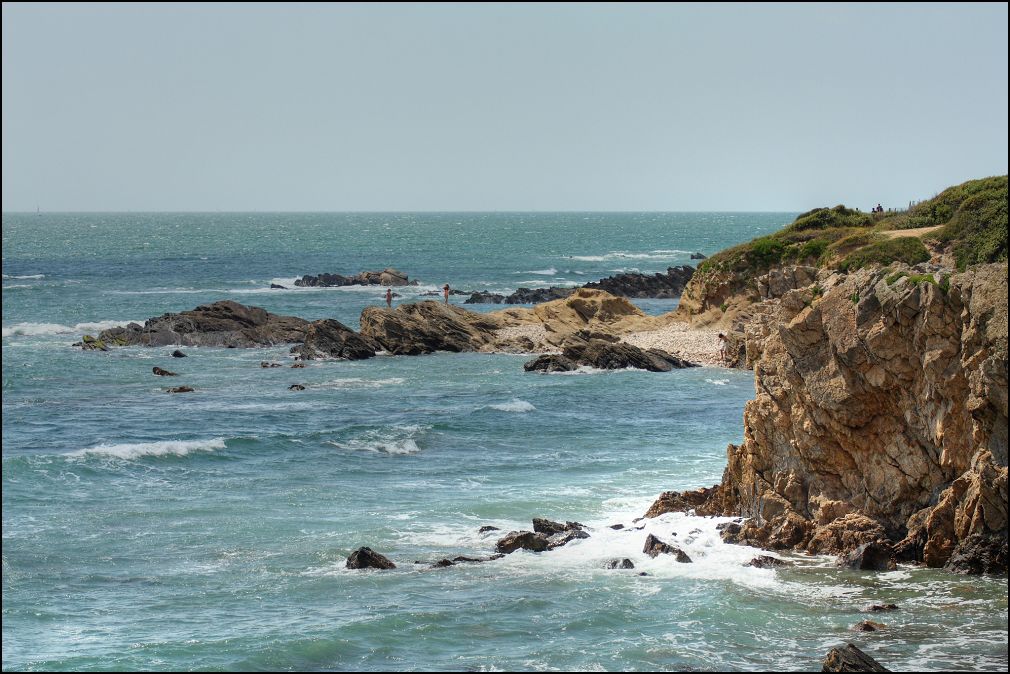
pixel 880 415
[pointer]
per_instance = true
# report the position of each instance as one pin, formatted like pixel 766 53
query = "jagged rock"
pixel 486 528
pixel 850 659
pixel 386 277
pixel 705 502
pixel 89 343
pixel 875 608
pixel 767 562
pixel 180 389
pixel 482 297
pixel 366 558
pixel 524 540
pixel 425 327
pixel 655 547
pixel 296 387
pixel 698 256
pixel 550 362
pixel 615 356
pixel 875 556
pixel 442 563
pixel 564 538
pixel 474 560
pixel 267 363
pixel 277 286
pixel 979 554
pixel 868 626
pixel 223 323
pixel 549 527
pixel 620 564
pixel 163 373
pixel 178 354
pixel 329 338
pixel 538 295
pixel 661 286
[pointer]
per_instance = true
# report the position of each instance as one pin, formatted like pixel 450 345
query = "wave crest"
pixel 137 450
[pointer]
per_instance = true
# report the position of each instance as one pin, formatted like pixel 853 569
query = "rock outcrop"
pixel 386 277
pixel 658 286
pixel 332 339
pixel 223 323
pixel 606 355
pixel 366 558
pixel 850 659
pixel 880 415
pixel 426 327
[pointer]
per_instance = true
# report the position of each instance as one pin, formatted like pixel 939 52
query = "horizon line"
pixel 368 212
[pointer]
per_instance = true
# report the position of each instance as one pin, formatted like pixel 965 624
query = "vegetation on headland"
pixel 972 218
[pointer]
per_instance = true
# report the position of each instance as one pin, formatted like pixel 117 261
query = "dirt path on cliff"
pixel 900 233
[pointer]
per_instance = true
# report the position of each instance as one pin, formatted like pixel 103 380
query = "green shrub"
pixel 829 218
pixel 908 249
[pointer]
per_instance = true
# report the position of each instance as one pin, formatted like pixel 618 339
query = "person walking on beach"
pixel 445 291
pixel 389 298
pixel 723 347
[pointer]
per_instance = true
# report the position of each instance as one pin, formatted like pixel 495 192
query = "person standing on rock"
pixel 389 298
pixel 723 347
pixel 445 291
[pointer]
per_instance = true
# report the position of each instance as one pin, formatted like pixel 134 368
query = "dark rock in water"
pixel 267 363
pixel 564 538
pixel 703 502
pixel 875 608
pixel 616 527
pixel 550 362
pixel 525 540
pixel 178 354
pixel 461 558
pixel 442 563
pixel 767 562
pixel 698 256
pixel 979 553
pixel 655 547
pixel 850 659
pixel 620 564
pixel 606 355
pixel 296 387
pixel 441 293
pixel 487 528
pixel 275 286
pixel 297 364
pixel 163 373
pixel 386 277
pixel 224 323
pixel 366 558
pixel 868 626
pixel 328 338
pixel 89 343
pixel 426 327
pixel 181 389
pixel 643 573
pixel 549 527
pixel 483 297
pixel 657 286
pixel 538 295
pixel 874 556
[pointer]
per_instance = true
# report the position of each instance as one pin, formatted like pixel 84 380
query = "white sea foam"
pixel 515 405
pixel 166 447
pixel 392 440
pixel 624 255
pixel 18 285
pixel 355 382
pixel 718 382
pixel 24 276
pixel 36 329
pixel 542 272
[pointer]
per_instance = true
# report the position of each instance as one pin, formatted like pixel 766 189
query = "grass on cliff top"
pixel 973 216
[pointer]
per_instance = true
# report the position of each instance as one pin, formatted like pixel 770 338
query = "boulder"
pixel 550 362
pixel 386 277
pixel 163 373
pixel 89 343
pixel 704 502
pixel 328 338
pixel 486 528
pixel 850 659
pixel 607 355
pixel 698 256
pixel 620 564
pixel 482 297
pixel 223 323
pixel 549 527
pixel 366 558
pixel 868 626
pixel 178 354
pixel 655 547
pixel 875 556
pixel 180 389
pixel 296 387
pixel 522 540
pixel 767 562
pixel 276 286
pixel 876 608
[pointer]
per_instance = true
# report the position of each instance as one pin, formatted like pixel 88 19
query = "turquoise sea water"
pixel 209 530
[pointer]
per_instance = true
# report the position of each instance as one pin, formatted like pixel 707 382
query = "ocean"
pixel 209 530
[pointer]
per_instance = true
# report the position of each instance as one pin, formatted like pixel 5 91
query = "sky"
pixel 447 107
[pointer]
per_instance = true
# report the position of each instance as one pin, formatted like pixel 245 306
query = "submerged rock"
pixel 386 277
pixel 767 562
pixel 868 626
pixel 366 558
pixel 296 387
pixel 163 373
pixel 850 659
pixel 89 343
pixel 267 363
pixel 486 528
pixel 655 547
pixel 329 338
pixel 875 608
pixel 178 354
pixel 620 564
pixel 277 286
pixel 180 389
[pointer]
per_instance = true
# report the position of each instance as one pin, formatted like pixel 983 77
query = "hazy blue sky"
pixel 501 107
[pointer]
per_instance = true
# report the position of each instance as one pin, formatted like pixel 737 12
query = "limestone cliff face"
pixel 880 414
